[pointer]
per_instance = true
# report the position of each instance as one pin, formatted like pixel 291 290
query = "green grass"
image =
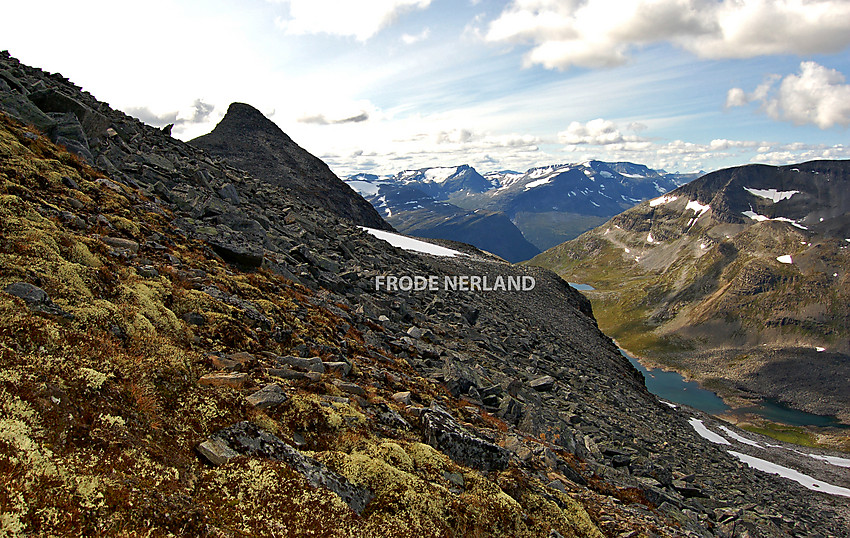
pixel 781 432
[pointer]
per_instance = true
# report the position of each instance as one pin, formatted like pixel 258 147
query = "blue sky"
pixel 385 85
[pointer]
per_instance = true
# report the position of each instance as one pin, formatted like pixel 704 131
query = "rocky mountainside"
pixel 255 144
pixel 410 210
pixel 739 279
pixel 188 349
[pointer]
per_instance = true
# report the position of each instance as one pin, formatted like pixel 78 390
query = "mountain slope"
pixel 173 362
pixel 739 278
pixel 253 143
pixel 410 210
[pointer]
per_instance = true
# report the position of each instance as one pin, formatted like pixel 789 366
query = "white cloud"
pixel 602 33
pixel 816 95
pixel 410 39
pixel 361 20
pixel 598 132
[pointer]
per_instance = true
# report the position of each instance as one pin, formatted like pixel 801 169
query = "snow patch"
pixel 707 434
pixel 771 194
pixel 740 438
pixel 761 218
pixel 802 479
pixel 649 238
pixel 785 259
pixel 539 182
pixel 439 175
pixel 408 243
pixel 662 200
pixel 832 460
pixel 364 188
pixel 697 207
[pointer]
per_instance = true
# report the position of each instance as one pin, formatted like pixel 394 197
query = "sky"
pixel 380 86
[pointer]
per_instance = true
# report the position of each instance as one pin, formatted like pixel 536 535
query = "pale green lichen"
pixel 93 378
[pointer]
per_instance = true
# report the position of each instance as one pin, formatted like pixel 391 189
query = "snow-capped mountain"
pixel 548 204
pixel 443 182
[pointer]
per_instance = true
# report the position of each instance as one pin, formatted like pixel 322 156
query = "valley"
pixel 736 280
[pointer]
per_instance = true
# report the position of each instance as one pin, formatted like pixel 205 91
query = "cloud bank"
pixel 603 33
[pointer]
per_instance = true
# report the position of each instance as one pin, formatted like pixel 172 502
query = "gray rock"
pixel 415 332
pixel 402 397
pixel 543 384
pixel 341 367
pixel 194 318
pixel 29 293
pixel 351 388
pixel 50 100
pixel 248 439
pixel 69 133
pixel 268 396
pixel 121 244
pixel 238 253
pixel 313 364
pixel 36 298
pixel 443 432
pixel 22 109
pixel 229 193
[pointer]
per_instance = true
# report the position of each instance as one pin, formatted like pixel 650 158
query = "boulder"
pixel 442 432
pixel 229 379
pixel 268 396
pixel 246 438
pixel 543 384
pixel 36 298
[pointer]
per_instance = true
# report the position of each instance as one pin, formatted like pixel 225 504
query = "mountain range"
pixel 739 279
pixel 189 349
pixel 547 205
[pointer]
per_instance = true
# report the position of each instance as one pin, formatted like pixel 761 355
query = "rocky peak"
pixel 242 119
pixel 250 141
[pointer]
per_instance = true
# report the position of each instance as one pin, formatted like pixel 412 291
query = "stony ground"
pixel 187 350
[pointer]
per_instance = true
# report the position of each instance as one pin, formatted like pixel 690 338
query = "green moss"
pixel 781 432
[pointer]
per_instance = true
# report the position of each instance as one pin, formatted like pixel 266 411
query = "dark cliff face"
pixel 252 142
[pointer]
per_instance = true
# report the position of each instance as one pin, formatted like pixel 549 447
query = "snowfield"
pixel 415 245
pixel 773 195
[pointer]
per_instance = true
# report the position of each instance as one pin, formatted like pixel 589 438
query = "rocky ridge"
pixel 188 349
